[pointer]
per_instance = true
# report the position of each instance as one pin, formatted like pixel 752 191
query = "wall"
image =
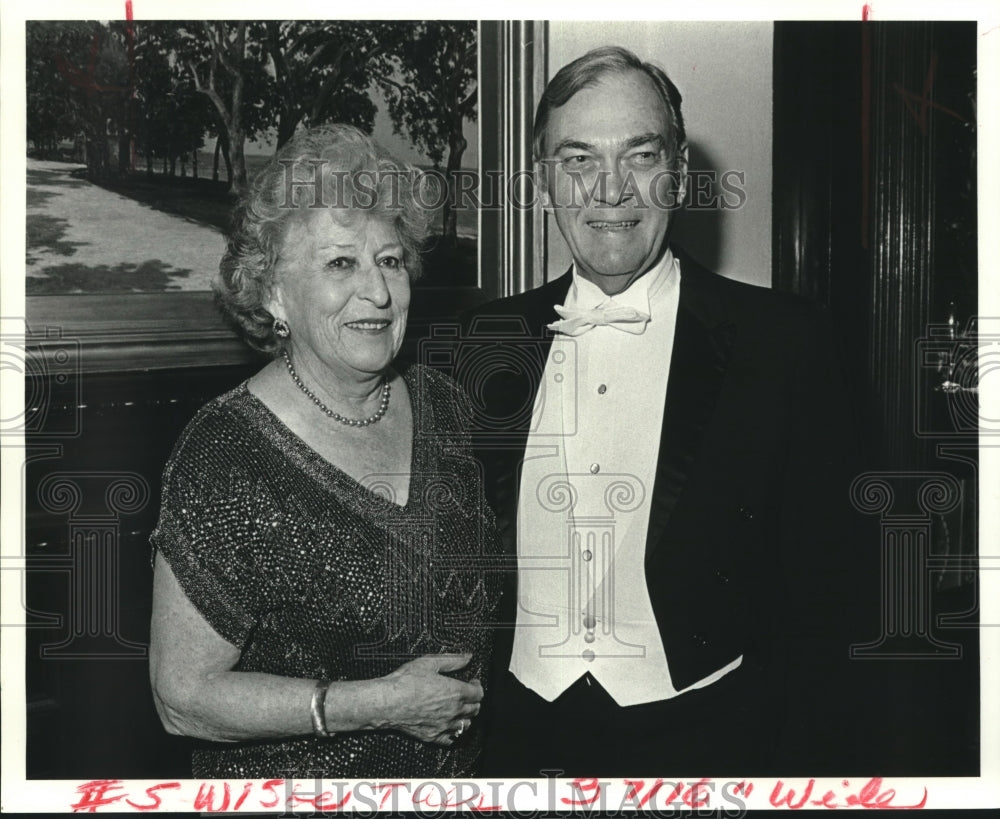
pixel 724 72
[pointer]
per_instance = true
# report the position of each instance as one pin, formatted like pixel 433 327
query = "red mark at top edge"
pixel 128 10
pixel 866 11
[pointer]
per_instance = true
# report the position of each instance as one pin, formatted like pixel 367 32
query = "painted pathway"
pixel 85 239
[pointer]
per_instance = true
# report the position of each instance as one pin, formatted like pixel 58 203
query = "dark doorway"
pixel 875 217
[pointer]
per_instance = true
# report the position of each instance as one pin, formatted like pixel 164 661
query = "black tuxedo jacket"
pixel 747 551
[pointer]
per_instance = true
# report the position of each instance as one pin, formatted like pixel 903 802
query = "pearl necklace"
pixel 336 416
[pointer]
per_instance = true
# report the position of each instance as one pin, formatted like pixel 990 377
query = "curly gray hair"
pixel 334 166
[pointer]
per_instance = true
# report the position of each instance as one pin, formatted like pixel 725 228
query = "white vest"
pixel 584 503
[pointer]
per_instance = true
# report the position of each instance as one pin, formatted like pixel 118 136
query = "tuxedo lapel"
pixel 542 309
pixel 513 359
pixel 702 348
pixel 501 364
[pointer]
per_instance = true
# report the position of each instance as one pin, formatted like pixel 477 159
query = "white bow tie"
pixel 575 322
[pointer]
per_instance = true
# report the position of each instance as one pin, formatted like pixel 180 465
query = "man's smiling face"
pixel 610 177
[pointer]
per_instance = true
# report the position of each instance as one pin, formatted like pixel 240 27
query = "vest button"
pixel 595 468
pixel 602 389
pixel 588 655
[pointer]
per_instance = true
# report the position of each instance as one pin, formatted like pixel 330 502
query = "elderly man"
pixel 664 450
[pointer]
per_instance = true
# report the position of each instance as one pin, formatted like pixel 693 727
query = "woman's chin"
pixel 373 354
pixel 372 364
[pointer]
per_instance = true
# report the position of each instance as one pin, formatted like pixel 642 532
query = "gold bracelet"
pixel 318 709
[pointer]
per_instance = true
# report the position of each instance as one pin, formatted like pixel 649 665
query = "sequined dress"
pixel 313 574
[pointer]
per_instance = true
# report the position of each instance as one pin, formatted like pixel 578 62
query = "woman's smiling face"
pixel 342 286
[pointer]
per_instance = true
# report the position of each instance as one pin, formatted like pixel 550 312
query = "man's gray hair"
pixel 591 68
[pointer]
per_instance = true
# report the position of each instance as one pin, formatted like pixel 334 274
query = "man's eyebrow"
pixel 645 139
pixel 573 145
pixel 631 142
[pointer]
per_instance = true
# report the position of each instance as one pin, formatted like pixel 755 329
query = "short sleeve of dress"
pixel 202 530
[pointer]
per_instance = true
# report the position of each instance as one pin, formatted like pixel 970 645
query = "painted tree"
pixel 434 91
pixel 56 107
pixel 171 117
pixel 77 87
pixel 323 69
pixel 225 61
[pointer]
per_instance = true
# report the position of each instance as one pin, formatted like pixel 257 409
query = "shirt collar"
pixel 585 295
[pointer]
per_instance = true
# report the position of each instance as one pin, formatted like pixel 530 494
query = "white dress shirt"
pixel 584 503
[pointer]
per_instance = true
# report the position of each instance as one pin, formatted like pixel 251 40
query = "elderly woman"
pixel 321 600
